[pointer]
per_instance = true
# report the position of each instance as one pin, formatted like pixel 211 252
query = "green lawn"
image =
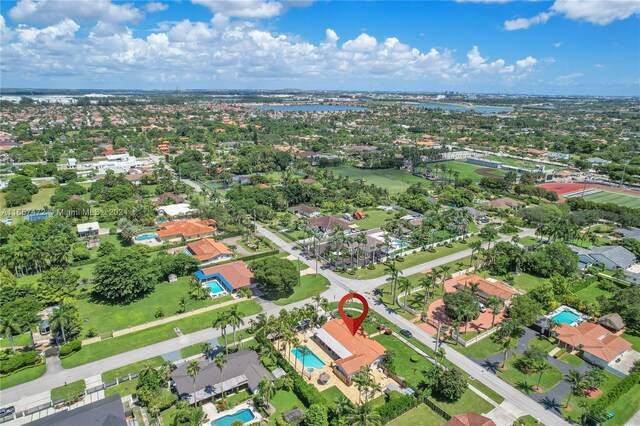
pixel 523 281
pixel 20 340
pixel 191 350
pixel 528 241
pixel 467 170
pixel 136 367
pixel 634 339
pixel 310 285
pixel 38 202
pixel 393 180
pixel 284 401
pixel 107 317
pixel 590 294
pixel 484 348
pixel 68 390
pixel 571 359
pixel 413 260
pixel 122 389
pixel 625 407
pixel 374 219
pixel 574 414
pixel 331 394
pixel 168 415
pixel 239 397
pixel 403 365
pixel 23 376
pixel 546 344
pixel 152 335
pixel 421 415
pixel 524 382
pixel 620 199
pixel 85 272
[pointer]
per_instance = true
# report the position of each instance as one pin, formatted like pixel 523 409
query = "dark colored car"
pixel 7 411
pixel 406 333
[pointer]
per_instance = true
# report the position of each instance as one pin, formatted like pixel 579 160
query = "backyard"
pixel 310 285
pixel 421 415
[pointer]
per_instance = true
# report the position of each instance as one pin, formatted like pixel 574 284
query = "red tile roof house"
pixel 599 346
pixel 230 277
pixel 209 250
pixel 352 353
pixel 189 229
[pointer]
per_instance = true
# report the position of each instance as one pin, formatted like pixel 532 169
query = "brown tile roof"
pixel 470 419
pixel 237 274
pixel 503 203
pixel 187 228
pixel 329 222
pixel 593 339
pixel 207 248
pixel 488 288
pixel 364 350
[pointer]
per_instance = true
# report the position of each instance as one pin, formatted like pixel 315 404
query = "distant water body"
pixel 309 108
pixel 460 108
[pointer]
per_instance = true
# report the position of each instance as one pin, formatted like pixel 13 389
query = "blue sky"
pixel 554 47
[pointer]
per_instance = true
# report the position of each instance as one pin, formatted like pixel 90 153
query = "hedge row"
pixel 396 407
pixel 70 347
pixel 260 255
pixel 19 360
pixel 618 391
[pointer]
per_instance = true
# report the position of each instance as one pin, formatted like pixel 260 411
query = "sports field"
pixel 618 198
pixel 622 197
pixel 393 180
pixel 471 171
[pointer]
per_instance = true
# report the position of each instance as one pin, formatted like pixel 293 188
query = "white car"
pixel 482 308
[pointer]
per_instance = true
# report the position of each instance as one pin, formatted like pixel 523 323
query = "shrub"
pixel 159 312
pixel 70 347
pixel 396 407
pixel 92 332
pixel 617 392
pixel 14 362
pixel 414 358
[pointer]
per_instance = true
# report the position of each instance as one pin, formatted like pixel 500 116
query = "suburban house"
pixel 327 223
pixel 633 233
pixel 172 210
pixel 232 276
pixel 610 257
pixel 475 214
pixel 188 229
pixel 599 346
pixel 87 229
pixel 612 322
pixel 486 287
pixel 242 372
pixel 169 198
pixel 470 419
pixel 503 203
pixel 305 210
pixel 209 250
pixel 105 412
pixel 352 353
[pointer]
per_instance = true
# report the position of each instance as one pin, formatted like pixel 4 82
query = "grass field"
pixel 525 382
pixel 38 202
pixel 107 317
pixel 284 401
pixel 310 285
pixel 68 390
pixel 634 339
pixel 331 394
pixel 468 171
pixel 421 415
pixel 23 376
pixel 110 375
pixel 393 180
pixel 574 413
pixel 122 389
pixel 618 198
pixel 625 407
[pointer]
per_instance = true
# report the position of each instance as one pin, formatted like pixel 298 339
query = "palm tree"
pixel 269 352
pixel 62 318
pixel 266 390
pixel 552 325
pixel 427 284
pixel 30 322
pixel 182 305
pixel 206 349
pixel 576 381
pixel 444 274
pixel 221 361
pixel 193 369
pixel 191 416
pixel 343 405
pixel 474 246
pixel 363 415
pixel 235 319
pixel 506 348
pixel 304 351
pixel 221 322
pixel 10 327
pixel 495 304
pixel 392 269
pixel 542 368
pixel 404 286
pixel 467 312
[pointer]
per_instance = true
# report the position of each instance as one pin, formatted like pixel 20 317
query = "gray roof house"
pixel 243 371
pixel 613 322
pixel 633 233
pixel 611 257
pixel 105 412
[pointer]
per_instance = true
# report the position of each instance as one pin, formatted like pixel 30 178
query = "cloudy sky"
pixel 542 47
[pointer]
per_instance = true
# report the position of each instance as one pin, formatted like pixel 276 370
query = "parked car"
pixel 406 333
pixel 481 307
pixel 7 411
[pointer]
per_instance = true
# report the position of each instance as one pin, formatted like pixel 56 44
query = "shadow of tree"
pixel 550 404
pixel 524 387
pixel 491 366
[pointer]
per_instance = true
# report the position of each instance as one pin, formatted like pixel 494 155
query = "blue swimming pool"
pixel 215 287
pixel 144 237
pixel 245 415
pixel 566 317
pixel 311 361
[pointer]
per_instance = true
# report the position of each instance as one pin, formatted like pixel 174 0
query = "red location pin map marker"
pixel 353 324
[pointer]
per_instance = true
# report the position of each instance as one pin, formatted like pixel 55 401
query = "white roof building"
pixel 180 209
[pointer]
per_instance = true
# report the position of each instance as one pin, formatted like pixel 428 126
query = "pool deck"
pixel 213 414
pixel 350 392
pixel 582 317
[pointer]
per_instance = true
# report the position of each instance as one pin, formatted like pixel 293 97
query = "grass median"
pixel 128 342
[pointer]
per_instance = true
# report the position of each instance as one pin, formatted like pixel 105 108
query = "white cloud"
pixel 599 66
pixel 363 43
pixel 47 12
pixel 527 62
pixel 524 23
pixel 251 9
pixel 602 12
pixel 331 37
pixel 568 79
pixel 156 6
pixel 557 45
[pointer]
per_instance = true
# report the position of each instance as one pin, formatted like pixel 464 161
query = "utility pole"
pixel 623 172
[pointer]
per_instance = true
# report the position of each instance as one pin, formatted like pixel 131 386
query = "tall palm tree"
pixel 576 381
pixel 343 406
pixel 304 351
pixel 542 368
pixel 235 320
pixel 507 348
pixel 392 269
pixel 426 283
pixel 206 349
pixel 444 274
pixel 193 369
pixel 405 285
pixel 495 304
pixel 221 323
pixel 30 322
pixel 221 361
pixel 10 327
pixel 266 390
pixel 363 415
pixel 467 312
pixel 474 246
pixel 61 318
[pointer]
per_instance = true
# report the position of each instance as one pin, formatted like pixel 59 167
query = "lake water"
pixel 460 108
pixel 308 108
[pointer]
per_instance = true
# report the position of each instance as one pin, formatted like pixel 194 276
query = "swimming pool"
pixel 245 415
pixel 566 317
pixel 144 237
pixel 311 361
pixel 215 287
